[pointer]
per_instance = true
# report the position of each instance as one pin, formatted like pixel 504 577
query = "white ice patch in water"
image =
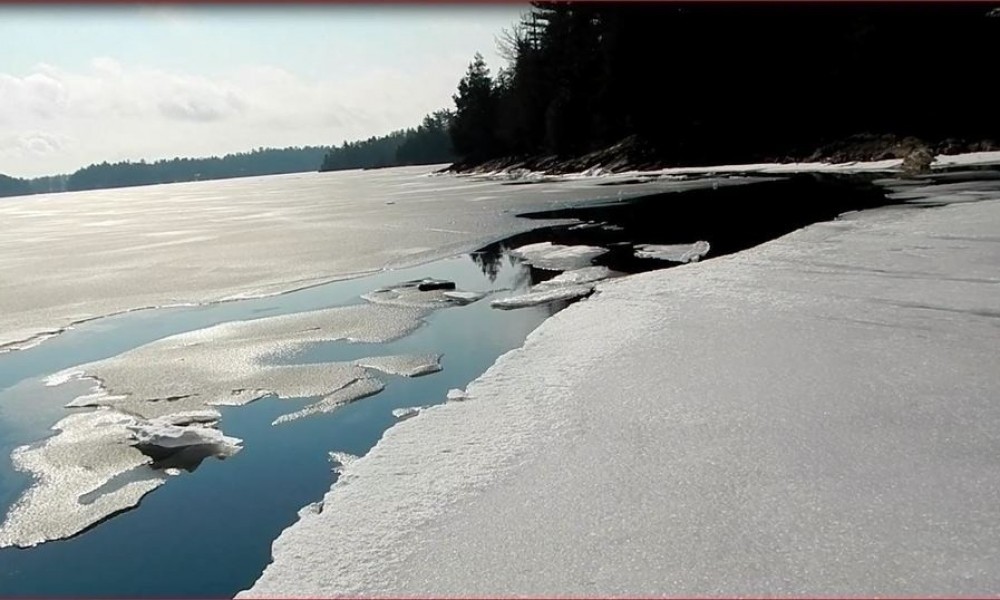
pixel 408 294
pixel 575 277
pixel 406 413
pixel 63 377
pixel 234 363
pixel 160 433
pixel 90 450
pixel 556 257
pixel 462 297
pixel 405 365
pixel 456 395
pixel 157 397
pixel 355 390
pixel 545 296
pixel 681 253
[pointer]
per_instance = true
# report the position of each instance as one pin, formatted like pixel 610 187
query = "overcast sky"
pixel 88 84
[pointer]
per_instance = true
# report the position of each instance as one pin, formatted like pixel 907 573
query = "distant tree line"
pixel 262 161
pixel 429 143
pixel 717 82
pixel 11 186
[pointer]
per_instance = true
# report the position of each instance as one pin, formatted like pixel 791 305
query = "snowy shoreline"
pixel 815 415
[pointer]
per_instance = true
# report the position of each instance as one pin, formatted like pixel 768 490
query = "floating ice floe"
pixel 682 253
pixel 565 286
pixel 234 363
pixel 575 277
pixel 75 471
pixel 355 390
pixel 566 292
pixel 154 409
pixel 159 437
pixel 406 413
pixel 421 293
pixel 461 297
pixel 556 257
pixel 404 365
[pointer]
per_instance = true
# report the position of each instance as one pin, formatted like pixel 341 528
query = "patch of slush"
pixel 682 253
pixel 405 365
pixel 545 296
pixel 556 257
pixel 813 416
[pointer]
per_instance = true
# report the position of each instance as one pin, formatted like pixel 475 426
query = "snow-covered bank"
pixel 891 165
pixel 816 415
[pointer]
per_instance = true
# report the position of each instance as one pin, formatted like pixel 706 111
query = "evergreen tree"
pixel 473 129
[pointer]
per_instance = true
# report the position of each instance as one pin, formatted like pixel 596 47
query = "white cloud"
pixel 109 110
pixel 35 144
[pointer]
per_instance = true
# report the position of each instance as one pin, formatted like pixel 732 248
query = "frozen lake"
pixel 296 355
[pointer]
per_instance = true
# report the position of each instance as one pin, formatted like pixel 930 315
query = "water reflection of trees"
pixel 489 258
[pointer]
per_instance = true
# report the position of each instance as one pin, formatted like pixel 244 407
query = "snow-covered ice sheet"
pixel 556 257
pixel 682 253
pixel 816 415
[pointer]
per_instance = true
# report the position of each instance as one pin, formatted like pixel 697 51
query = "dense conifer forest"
pixel 710 82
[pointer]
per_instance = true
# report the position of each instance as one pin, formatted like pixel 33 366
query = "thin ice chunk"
pixel 556 257
pixel 569 292
pixel 405 365
pixel 682 253
pixel 357 389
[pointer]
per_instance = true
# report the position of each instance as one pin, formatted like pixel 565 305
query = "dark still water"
pixel 208 533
